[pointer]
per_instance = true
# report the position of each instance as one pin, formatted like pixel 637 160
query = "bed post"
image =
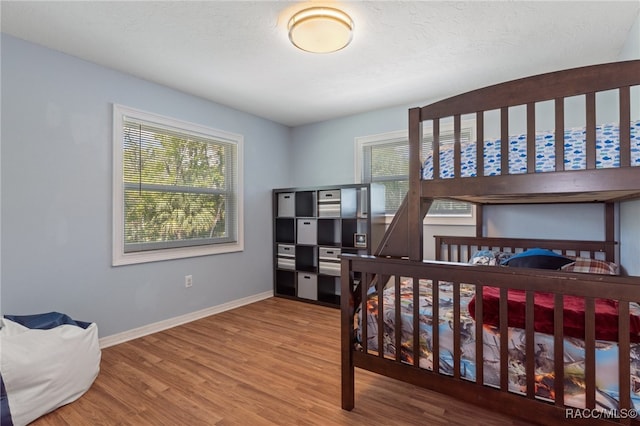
pixel 609 231
pixel 414 222
pixel 346 336
pixel 479 220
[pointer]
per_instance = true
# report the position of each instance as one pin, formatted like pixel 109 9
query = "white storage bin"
pixel 286 204
pixel 329 203
pixel 286 256
pixel 286 250
pixel 329 268
pixel 307 286
pixel 329 253
pixel 286 263
pixel 307 231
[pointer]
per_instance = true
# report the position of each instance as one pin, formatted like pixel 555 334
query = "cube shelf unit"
pixel 313 227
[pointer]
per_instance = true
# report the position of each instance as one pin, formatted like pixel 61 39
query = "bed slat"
pixel 479 143
pixel 479 337
pixel 435 332
pixel 530 345
pixel 504 341
pixel 531 137
pixel 504 141
pixel 398 318
pixel 624 367
pixel 364 286
pixel 436 148
pixel 591 130
pixel 558 349
pixel 625 124
pixel 416 321
pixel 380 284
pixel 559 138
pixel 456 330
pixel 457 146
pixel 609 230
pixel 590 350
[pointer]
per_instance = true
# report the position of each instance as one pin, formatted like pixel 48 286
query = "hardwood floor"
pixel 274 362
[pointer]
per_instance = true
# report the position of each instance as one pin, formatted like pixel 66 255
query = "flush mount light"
pixel 320 29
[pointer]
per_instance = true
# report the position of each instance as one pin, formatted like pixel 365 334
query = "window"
pixel 177 189
pixel 384 159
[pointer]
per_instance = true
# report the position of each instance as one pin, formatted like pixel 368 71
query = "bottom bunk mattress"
pixel 607 392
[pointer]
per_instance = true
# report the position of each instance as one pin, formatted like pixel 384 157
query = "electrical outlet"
pixel 188 281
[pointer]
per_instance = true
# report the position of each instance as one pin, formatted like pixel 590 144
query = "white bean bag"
pixel 43 369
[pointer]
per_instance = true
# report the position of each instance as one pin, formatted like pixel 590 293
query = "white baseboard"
pixel 125 336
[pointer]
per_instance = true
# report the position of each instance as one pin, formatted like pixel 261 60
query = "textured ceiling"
pixel 237 52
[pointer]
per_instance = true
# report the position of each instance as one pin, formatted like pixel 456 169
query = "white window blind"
pixel 387 164
pixel 179 187
pixel 385 160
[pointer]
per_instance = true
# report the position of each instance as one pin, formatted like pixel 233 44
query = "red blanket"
pixel 606 314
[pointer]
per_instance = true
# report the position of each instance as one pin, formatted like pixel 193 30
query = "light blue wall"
pixel 56 196
pixel 324 153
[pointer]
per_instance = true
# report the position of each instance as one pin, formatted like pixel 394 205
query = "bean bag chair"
pixel 47 360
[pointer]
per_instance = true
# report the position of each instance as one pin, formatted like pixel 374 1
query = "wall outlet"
pixel 188 281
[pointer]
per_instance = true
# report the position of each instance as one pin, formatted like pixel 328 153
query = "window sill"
pixel 120 258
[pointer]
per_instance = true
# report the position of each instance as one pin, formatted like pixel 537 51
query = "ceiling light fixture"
pixel 320 29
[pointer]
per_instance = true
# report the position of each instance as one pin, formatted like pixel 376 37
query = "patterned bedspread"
pixel 607 394
pixel 607 153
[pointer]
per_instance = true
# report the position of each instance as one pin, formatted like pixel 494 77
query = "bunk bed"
pixel 560 341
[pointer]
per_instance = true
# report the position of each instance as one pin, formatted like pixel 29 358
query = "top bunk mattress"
pixel 607 153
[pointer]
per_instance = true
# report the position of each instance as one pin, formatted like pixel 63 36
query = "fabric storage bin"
pixel 329 196
pixel 286 256
pixel 329 253
pixel 329 268
pixel 307 231
pixel 286 204
pixel 329 261
pixel 286 262
pixel 307 286
pixel 286 250
pixel 329 203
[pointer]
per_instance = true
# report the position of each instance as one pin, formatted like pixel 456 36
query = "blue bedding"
pixel 607 153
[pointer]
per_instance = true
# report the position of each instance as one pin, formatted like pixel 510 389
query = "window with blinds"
pixel 178 188
pixel 384 159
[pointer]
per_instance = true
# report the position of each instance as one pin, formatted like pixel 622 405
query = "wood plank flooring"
pixel 274 362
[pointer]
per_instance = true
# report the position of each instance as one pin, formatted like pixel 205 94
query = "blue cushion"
pixel 537 258
pixel 46 321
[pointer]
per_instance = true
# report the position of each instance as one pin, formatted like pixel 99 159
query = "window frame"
pixel 122 257
pixel 403 135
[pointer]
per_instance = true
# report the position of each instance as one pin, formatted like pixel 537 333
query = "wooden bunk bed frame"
pixel 400 254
